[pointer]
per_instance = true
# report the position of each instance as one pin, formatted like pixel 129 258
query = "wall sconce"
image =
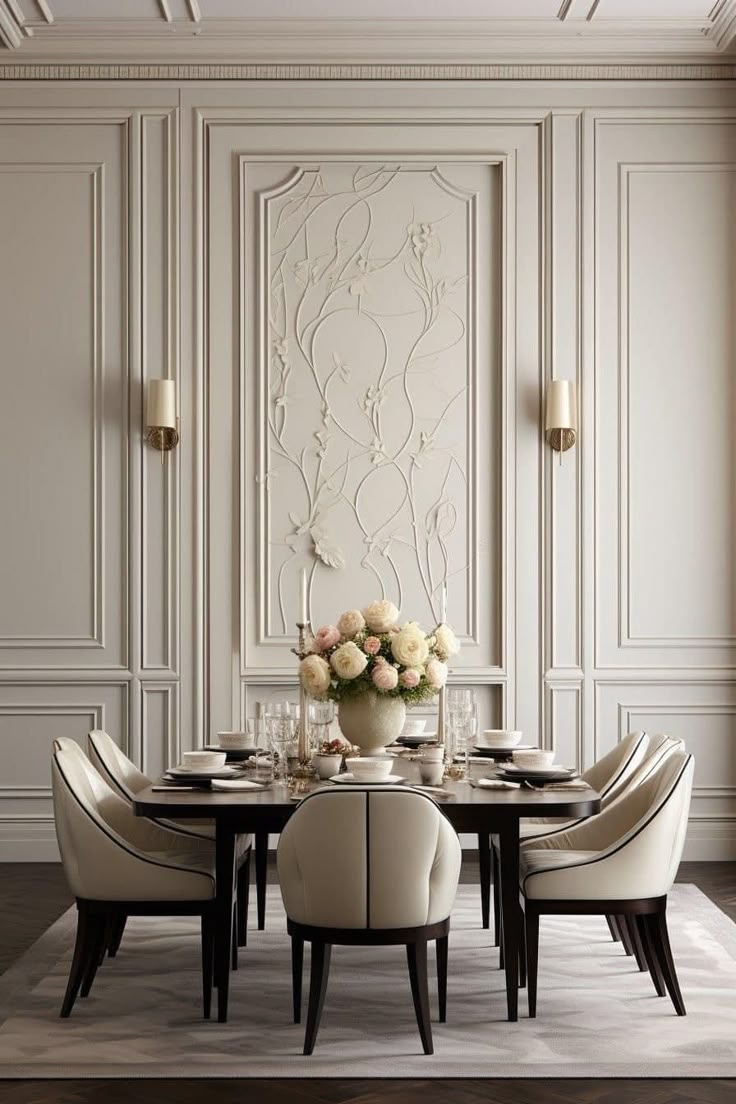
pixel 162 423
pixel 561 420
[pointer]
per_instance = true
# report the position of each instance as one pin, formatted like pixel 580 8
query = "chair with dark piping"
pixel 125 777
pixel 117 866
pixel 621 862
pixel 368 867
pixel 608 776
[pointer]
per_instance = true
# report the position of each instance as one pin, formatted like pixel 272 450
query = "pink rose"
pixel 409 678
pixel 371 645
pixel 325 638
pixel 385 677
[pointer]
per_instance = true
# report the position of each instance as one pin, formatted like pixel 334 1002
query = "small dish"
pixel 202 760
pixel 370 768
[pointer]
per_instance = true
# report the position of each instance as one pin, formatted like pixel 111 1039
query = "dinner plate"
pixel 518 775
pixel 507 750
pixel 556 768
pixel 414 741
pixel 347 779
pixel 202 775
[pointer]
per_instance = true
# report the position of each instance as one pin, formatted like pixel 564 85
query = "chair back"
pixel 115 766
pixel 379 858
pixel 108 854
pixel 610 775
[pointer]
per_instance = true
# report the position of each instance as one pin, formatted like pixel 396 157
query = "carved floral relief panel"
pixel 374 364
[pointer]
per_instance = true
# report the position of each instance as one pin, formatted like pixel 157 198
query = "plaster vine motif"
pixel 368 385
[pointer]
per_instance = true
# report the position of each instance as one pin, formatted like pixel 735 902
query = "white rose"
pixel 436 673
pixel 446 641
pixel 380 616
pixel 348 660
pixel 314 672
pixel 351 623
pixel 409 646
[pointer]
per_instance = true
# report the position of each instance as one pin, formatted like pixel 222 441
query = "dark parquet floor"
pixel 32 896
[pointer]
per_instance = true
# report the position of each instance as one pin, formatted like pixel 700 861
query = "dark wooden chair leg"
pixel 243 884
pixel 79 961
pixel 613 928
pixel 234 938
pixel 522 951
pixel 484 862
pixel 416 954
pixel 624 933
pixel 657 925
pixel 651 958
pixel 117 934
pixel 208 955
pixel 636 943
pixel 97 945
pixel 297 967
pixel 496 879
pixel 531 924
pixel 261 873
pixel 441 949
pixel 319 973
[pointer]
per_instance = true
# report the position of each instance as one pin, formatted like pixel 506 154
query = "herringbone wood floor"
pixel 32 896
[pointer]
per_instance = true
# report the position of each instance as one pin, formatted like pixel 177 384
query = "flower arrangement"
pixel 368 651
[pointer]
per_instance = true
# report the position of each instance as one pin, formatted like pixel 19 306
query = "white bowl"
pixel 233 740
pixel 370 768
pixel 203 760
pixel 499 738
pixel 536 757
pixel 414 726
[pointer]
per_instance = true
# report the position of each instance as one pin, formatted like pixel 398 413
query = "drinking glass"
pixel 282 737
pixel 321 714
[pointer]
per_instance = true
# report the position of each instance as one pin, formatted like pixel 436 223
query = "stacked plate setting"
pixel 201 767
pixel 536 766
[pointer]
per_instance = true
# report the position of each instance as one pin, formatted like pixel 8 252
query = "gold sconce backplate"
pixel 163 438
pixel 561 439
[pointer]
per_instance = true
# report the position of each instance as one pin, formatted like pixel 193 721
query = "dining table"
pixel 467 805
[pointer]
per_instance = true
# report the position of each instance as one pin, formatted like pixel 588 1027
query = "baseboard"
pixel 711 840
pixel 28 840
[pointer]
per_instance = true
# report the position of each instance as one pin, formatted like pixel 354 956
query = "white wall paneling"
pixel 89 609
pixel 584 230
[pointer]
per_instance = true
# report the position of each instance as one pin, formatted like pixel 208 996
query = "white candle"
pixel 303 614
pixel 443 610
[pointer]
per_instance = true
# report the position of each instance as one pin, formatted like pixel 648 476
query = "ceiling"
pixel 399 31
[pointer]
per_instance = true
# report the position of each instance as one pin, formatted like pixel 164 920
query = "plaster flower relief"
pixel 370 362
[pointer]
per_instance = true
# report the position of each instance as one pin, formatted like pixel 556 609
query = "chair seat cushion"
pixel 187 874
pixel 533 862
pixel 543 826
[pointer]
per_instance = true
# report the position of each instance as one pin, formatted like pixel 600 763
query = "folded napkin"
pixel 227 784
pixel 497 784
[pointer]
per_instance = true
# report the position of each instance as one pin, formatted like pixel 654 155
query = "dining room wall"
pixel 362 289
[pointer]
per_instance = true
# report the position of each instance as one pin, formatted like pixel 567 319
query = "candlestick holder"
pixel 305 769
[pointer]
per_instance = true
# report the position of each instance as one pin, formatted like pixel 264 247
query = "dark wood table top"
pixel 467 807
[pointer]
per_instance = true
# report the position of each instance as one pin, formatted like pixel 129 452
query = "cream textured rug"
pixel 597 1015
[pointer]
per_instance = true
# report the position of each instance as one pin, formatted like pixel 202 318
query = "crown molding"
pixel 367 41
pixel 19 71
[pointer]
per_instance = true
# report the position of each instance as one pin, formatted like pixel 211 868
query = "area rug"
pixel 597 1015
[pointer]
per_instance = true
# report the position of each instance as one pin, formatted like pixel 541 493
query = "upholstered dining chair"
pixel 125 777
pixel 368 867
pixel 621 862
pixel 609 775
pixel 117 865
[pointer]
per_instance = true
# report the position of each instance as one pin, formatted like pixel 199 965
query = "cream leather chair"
pixel 621 862
pixel 118 865
pixel 124 777
pixel 609 776
pixel 376 866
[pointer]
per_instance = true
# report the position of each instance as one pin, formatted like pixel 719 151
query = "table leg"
pixel 509 847
pixel 261 875
pixel 225 875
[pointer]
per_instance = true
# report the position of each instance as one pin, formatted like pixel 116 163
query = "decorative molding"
pixel 96 638
pixel 93 712
pixel 172 736
pixel 650 71
pixel 625 542
pixel 329 347
pixel 151 470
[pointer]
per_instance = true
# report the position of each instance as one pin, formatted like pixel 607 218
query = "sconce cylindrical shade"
pixel 161 403
pixel 562 407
